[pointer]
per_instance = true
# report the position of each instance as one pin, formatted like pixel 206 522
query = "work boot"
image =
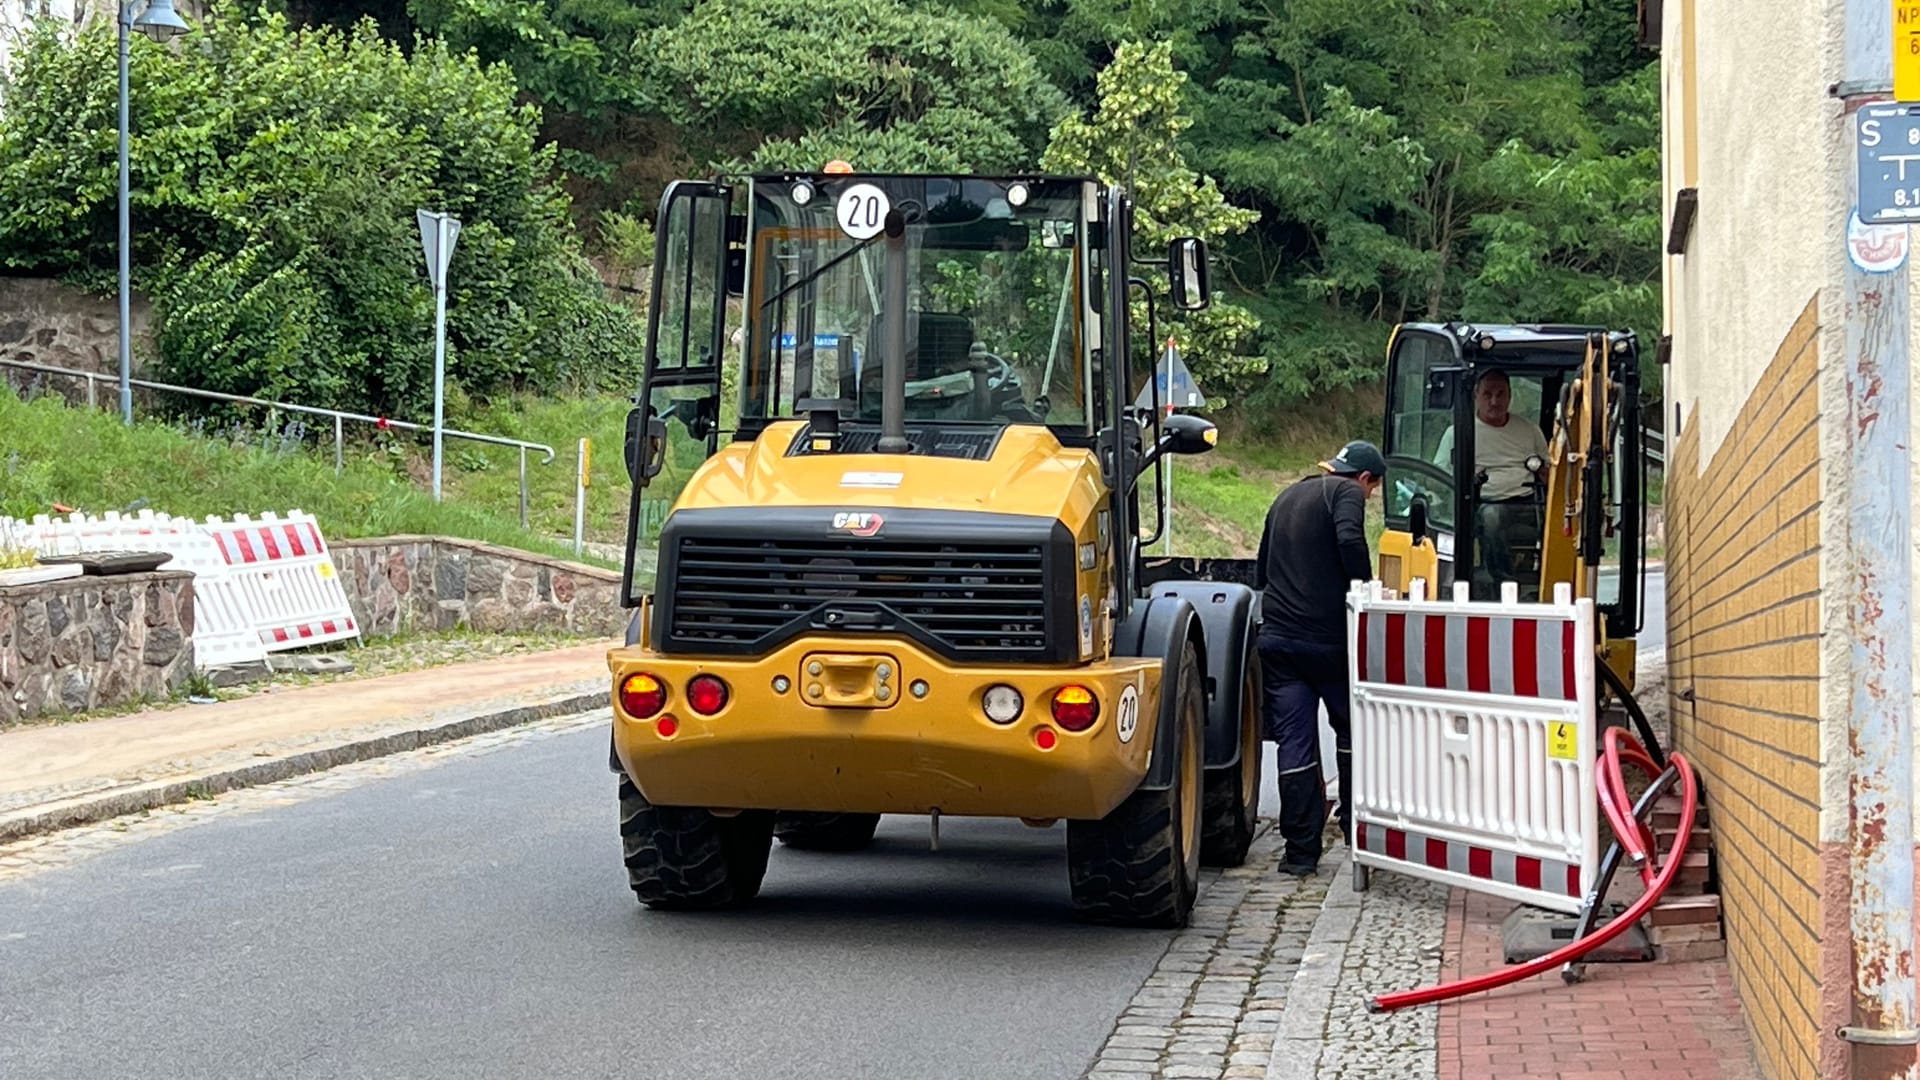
pixel 1303 812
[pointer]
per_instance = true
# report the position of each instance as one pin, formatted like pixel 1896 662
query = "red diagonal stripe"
pixel 1480 863
pixel 267 540
pixel 1396 844
pixel 246 546
pixel 1435 628
pixel 1366 673
pixel 1568 690
pixel 327 627
pixel 1437 853
pixel 1573 881
pixel 1526 650
pixel 1526 871
pixel 1479 672
pixel 1396 650
pixel 293 539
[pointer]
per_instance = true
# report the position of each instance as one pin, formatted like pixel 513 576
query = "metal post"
pixel 893 374
pixel 523 487
pixel 1877 586
pixel 126 233
pixel 439 355
pixel 339 451
pixel 1166 460
pixel 580 498
pixel 93 401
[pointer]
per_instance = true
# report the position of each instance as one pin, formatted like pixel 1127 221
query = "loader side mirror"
pixel 1182 434
pixel 1187 261
pixel 645 454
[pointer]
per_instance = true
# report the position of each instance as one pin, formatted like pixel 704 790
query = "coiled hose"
pixel 1631 834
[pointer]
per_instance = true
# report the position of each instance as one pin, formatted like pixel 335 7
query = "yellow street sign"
pixel 1906 50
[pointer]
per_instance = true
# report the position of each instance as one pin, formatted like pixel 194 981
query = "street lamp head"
pixel 159 21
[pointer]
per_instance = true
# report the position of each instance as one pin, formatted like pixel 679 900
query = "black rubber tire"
pixel 686 859
pixel 1135 867
pixel 1233 795
pixel 810 831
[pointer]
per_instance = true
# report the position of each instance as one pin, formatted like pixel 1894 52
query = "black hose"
pixel 1619 687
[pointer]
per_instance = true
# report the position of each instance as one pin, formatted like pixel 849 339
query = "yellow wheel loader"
pixel 901 572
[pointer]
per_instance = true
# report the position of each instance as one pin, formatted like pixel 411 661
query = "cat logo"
pixel 858 523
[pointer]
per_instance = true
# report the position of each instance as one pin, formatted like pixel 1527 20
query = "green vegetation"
pixel 89 460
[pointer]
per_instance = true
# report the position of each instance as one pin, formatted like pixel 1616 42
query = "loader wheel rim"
pixel 1189 793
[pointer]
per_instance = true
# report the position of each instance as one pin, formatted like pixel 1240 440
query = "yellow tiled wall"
pixel 1743 582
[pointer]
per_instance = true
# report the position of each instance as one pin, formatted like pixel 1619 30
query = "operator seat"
pixel 938 343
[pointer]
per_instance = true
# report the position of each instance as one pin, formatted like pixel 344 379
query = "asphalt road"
pixel 473 919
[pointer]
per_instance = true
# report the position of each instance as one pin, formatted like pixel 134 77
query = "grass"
pixel 52 454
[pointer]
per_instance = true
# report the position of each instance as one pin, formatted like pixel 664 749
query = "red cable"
pixel 1578 948
pixel 1635 838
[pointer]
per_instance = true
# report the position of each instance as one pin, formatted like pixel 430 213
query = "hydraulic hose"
pixel 1625 824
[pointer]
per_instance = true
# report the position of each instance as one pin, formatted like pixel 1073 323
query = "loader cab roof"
pixel 1528 346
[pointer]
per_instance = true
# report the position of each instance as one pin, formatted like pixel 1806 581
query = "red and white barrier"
pixel 222 626
pixel 1475 731
pixel 293 595
pixel 259 586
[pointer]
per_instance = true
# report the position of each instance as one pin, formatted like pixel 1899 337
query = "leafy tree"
pixel 1133 137
pixel 276 174
pixel 773 84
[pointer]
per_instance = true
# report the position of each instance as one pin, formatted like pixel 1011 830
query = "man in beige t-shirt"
pixel 1502 443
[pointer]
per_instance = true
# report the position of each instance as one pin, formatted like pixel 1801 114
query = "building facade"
pixel 1790 545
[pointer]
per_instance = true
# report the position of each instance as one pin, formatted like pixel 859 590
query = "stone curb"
pixel 1303 1032
pixel 88 809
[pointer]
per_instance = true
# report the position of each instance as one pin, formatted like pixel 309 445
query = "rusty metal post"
pixel 1876 583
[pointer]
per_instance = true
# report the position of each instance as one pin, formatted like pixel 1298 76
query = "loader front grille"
pixel 974 600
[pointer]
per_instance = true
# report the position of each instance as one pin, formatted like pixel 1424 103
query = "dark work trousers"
pixel 1299 677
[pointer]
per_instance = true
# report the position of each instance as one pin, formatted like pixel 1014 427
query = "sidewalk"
pixel 1626 1021
pixel 58 775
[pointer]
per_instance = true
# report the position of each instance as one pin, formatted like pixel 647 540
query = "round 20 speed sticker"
pixel 1127 719
pixel 862 211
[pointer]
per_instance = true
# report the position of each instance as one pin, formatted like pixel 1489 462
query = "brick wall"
pixel 1743 567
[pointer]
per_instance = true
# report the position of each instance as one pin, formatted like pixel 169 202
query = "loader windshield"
pixel 997 307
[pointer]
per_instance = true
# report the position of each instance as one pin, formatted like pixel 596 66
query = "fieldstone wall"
pixel 90 642
pixel 398 583
pixel 45 322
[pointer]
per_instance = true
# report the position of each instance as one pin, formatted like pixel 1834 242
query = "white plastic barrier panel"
pixel 1474 736
pixel 223 630
pixel 291 591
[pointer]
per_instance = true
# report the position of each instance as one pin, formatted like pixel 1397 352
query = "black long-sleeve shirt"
pixel 1314 543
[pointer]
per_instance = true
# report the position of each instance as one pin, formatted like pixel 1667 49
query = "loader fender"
pixel 1226 614
pixel 1157 626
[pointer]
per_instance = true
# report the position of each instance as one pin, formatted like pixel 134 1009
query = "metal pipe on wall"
pixel 1877 588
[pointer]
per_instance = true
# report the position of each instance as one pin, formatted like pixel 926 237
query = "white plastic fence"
pixel 259 586
pixel 1474 735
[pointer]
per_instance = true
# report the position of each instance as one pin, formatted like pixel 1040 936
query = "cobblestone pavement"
pixel 40 853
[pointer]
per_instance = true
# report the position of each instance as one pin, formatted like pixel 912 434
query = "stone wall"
pixel 83 643
pixel 45 322
pixel 398 583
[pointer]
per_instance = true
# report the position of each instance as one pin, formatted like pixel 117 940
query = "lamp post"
pixel 160 22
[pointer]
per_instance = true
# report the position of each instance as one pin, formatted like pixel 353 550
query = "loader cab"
pixel 1459 507
pixel 914 314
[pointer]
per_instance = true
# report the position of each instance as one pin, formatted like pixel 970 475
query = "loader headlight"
pixel 1002 703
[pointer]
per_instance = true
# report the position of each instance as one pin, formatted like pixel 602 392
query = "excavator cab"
pixel 1515 456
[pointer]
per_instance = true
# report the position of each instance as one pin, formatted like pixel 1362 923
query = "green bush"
pixel 275 178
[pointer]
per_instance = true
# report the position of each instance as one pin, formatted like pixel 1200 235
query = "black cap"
pixel 1358 456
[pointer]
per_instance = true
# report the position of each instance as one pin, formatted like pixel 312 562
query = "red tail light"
pixel 1075 708
pixel 707 694
pixel 642 695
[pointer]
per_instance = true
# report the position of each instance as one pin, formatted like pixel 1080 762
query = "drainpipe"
pixel 1877 588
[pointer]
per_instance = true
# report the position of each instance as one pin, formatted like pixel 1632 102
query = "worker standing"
pixel 1313 545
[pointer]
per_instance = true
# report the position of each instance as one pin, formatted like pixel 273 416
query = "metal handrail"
pixel 339 417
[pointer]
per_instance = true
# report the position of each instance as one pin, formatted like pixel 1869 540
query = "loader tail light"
pixel 707 694
pixel 1075 708
pixel 642 695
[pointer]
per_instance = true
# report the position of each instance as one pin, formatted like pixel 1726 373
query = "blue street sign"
pixel 1887 143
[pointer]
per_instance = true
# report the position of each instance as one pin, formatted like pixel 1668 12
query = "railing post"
pixel 580 499
pixel 523 487
pixel 339 452
pixel 92 401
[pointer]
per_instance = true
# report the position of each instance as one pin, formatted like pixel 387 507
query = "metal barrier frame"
pixel 338 416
